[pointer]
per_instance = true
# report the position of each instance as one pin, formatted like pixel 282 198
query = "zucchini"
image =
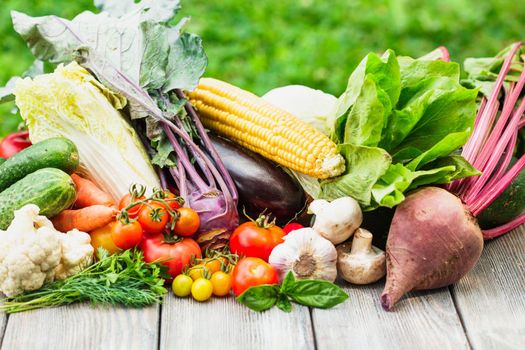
pixel 49 188
pixel 508 206
pixel 56 152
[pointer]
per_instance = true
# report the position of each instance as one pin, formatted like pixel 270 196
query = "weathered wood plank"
pixel 225 324
pixel 81 327
pixel 491 298
pixel 423 320
pixel 3 321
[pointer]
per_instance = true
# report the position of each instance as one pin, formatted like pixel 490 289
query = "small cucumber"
pixel 508 206
pixel 49 188
pixel 56 152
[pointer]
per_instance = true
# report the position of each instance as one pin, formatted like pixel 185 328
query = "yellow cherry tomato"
pixel 222 283
pixel 182 285
pixel 101 238
pixel 198 271
pixel 201 289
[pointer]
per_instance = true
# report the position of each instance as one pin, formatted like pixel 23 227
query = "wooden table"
pixel 485 310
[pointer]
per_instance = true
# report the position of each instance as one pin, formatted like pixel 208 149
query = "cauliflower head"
pixel 32 252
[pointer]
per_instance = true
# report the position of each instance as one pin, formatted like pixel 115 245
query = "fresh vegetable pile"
pixel 135 172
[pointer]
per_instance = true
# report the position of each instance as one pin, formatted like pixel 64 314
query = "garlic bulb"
pixel 307 255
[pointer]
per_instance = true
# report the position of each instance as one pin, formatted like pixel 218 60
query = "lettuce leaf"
pixel 397 125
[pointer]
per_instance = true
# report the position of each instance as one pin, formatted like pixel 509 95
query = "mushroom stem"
pixel 362 242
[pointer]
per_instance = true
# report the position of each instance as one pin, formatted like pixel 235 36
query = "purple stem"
pixel 183 158
pixel 162 178
pixel 209 146
pixel 506 160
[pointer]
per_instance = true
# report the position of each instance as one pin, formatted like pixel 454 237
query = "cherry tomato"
pixel 171 200
pixel 255 239
pixel 251 272
pixel 176 256
pixel 101 238
pixel 292 226
pixel 127 236
pixel 14 143
pixel 133 212
pixel 182 285
pixel 153 218
pixel 201 289
pixel 188 222
pixel 211 265
pixel 222 283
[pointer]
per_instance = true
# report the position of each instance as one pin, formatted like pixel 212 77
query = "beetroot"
pixel 433 241
pixel 434 238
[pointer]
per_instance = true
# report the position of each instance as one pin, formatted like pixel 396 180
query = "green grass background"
pixel 259 45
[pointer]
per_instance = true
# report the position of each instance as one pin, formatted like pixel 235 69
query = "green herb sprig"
pixel 120 279
pixel 313 293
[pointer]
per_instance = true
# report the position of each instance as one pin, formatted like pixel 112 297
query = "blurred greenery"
pixel 259 45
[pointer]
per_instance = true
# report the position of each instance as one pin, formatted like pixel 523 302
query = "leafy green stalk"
pixel 120 279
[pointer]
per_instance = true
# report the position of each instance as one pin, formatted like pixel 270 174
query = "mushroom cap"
pixel 360 268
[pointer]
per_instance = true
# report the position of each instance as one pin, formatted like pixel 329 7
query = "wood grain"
pixel 79 327
pixel 225 324
pixel 491 297
pixel 3 321
pixel 423 320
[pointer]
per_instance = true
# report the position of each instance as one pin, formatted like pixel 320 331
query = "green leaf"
pixel 260 298
pixel 364 166
pixel 288 282
pixel 316 293
pixel 283 303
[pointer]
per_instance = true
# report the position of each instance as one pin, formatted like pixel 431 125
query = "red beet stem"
pixel 501 230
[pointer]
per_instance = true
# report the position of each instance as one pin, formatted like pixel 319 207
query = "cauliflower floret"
pixel 77 254
pixel 32 252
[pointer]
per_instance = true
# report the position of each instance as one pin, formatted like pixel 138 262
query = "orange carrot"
pixel 86 219
pixel 90 194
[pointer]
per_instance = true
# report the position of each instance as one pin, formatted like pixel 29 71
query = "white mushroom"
pixel 336 220
pixel 359 262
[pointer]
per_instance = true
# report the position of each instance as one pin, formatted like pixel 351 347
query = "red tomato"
pixel 250 272
pixel 188 222
pixel 133 212
pixel 176 256
pixel 171 199
pixel 14 143
pixel 126 236
pixel 251 239
pixel 153 218
pixel 292 226
pixel 101 238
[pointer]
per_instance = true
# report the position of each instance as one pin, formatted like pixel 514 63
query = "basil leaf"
pixel 260 298
pixel 315 293
pixel 288 282
pixel 283 303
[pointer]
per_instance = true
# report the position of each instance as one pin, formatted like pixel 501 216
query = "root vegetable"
pixel 89 194
pixel 359 262
pixel 432 243
pixel 336 220
pixel 86 219
pixel 306 254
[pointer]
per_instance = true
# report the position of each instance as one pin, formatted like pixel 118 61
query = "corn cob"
pixel 265 129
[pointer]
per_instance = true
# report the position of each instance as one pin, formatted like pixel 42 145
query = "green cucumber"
pixel 508 206
pixel 56 152
pixel 52 190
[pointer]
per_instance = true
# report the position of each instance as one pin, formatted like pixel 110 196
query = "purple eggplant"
pixel 261 184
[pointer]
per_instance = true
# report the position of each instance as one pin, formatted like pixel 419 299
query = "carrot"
pixel 89 194
pixel 86 219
